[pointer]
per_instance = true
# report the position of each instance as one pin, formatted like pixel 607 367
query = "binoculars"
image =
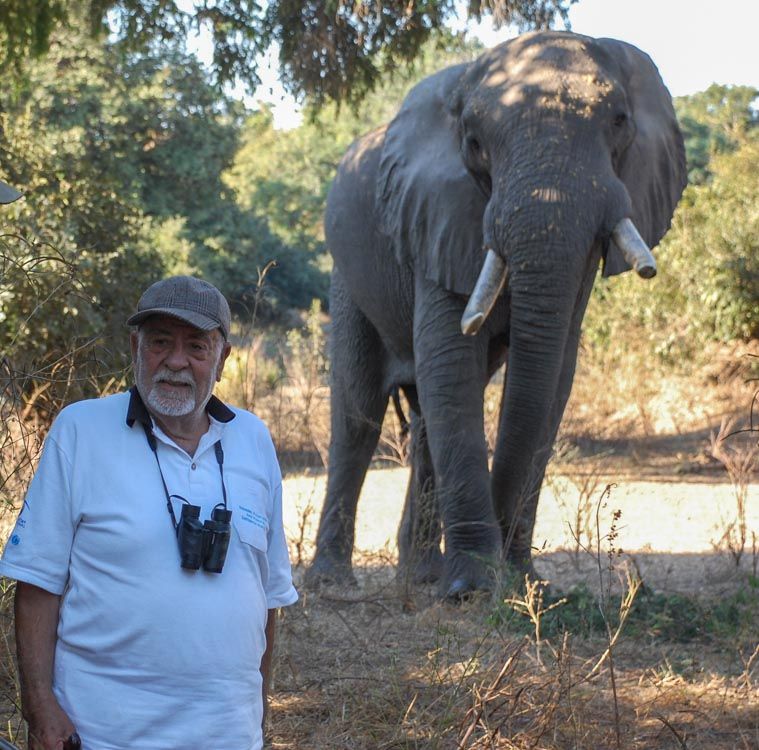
pixel 203 543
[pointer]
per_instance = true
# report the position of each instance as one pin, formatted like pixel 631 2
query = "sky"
pixel 694 43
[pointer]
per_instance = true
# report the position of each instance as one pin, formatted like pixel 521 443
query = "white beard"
pixel 170 402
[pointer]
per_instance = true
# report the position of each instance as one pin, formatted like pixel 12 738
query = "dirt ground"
pixel 671 529
pixel 383 666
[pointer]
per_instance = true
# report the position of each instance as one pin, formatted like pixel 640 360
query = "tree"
pixel 707 288
pixel 328 49
pixel 282 177
pixel 714 121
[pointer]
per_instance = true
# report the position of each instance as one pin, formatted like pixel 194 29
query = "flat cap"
pixel 189 299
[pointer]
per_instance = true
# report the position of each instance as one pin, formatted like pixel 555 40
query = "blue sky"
pixel 694 43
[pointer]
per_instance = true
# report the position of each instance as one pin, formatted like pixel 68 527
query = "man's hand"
pixel 49 726
pixel 36 624
pixel 271 627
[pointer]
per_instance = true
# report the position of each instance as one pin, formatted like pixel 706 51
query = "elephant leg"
pixel 358 403
pixel 517 516
pixel 451 377
pixel 420 533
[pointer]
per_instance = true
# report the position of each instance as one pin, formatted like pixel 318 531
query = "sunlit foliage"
pixel 715 121
pixel 707 289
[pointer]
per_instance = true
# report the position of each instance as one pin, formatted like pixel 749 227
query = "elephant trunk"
pixel 551 241
pixel 540 368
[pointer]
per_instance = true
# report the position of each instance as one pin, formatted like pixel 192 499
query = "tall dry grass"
pixel 385 667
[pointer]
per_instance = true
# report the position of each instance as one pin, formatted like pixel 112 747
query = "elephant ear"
pixel 427 203
pixel 653 167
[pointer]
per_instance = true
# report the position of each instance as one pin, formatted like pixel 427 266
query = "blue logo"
pixel 15 540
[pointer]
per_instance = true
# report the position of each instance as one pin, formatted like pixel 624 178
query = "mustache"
pixel 167 376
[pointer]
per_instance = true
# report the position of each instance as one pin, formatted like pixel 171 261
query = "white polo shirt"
pixel 150 655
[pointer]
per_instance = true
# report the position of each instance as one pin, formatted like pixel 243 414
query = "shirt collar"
pixel 138 412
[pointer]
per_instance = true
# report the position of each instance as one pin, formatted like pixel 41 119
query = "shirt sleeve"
pixel 280 591
pixel 39 547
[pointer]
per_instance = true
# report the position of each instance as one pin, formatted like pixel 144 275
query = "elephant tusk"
pixel 634 248
pixel 489 285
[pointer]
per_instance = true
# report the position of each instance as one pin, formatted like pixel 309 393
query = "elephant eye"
pixel 620 119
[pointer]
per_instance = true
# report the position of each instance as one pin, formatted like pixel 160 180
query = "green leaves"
pixel 707 289
pixel 714 121
pixel 329 51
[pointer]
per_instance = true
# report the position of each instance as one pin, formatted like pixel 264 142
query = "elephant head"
pixel 547 155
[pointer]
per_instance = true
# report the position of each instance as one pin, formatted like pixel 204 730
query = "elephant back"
pixel 350 210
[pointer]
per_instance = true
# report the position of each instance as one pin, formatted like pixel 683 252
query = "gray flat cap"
pixel 189 299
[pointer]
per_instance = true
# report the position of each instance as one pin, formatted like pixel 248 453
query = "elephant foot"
pixel 465 574
pixel 426 568
pixel 329 570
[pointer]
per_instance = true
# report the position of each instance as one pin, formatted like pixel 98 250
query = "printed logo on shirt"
pixel 15 540
pixel 250 516
pixel 21 522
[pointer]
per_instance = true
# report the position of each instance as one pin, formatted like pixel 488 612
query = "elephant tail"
pixel 396 396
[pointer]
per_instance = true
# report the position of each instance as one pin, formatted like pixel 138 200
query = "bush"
pixel 707 288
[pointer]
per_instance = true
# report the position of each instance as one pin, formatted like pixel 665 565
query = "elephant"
pixel 466 233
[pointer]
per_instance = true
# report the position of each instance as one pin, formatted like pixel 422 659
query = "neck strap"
pixel 219 453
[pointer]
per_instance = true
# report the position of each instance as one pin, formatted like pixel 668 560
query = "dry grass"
pixel 382 667
pixel 738 451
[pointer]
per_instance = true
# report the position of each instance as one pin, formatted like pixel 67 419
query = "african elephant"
pixel 466 233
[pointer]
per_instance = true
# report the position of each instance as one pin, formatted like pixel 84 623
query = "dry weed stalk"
pixel 630 588
pixel 585 485
pixel 605 583
pixel 748 668
pixel 395 436
pixel 306 366
pixel 300 543
pixel 476 716
pixel 10 698
pixel 530 604
pixel 248 375
pixel 740 457
pixel 519 707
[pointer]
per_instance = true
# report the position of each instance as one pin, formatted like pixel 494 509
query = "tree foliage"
pixel 707 288
pixel 135 164
pixel 282 177
pixel 715 121
pixel 120 158
pixel 328 49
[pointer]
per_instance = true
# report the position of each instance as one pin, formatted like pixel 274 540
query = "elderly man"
pixel 150 554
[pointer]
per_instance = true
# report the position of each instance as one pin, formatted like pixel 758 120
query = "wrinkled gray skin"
pixel 536 149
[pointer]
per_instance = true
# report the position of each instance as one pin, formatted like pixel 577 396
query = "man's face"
pixel 176 365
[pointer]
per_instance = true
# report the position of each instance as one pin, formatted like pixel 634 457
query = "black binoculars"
pixel 203 543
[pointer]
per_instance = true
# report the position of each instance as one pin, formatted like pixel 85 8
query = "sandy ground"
pixel 670 531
